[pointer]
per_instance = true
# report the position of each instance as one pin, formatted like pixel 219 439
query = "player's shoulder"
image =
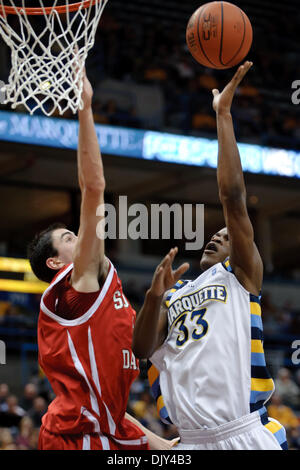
pixel 169 293
pixel 62 274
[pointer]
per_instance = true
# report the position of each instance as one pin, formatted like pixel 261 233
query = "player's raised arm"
pixel 244 256
pixel 151 324
pixel 90 263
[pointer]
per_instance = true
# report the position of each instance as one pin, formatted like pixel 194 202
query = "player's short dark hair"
pixel 40 249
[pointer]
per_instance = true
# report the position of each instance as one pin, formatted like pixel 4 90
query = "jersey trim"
pixel 274 427
pixel 81 371
pixel 86 442
pixel 132 442
pixel 262 385
pixel 226 265
pixel 154 382
pixel 87 315
pixel 95 376
pixel 94 369
pixel 177 286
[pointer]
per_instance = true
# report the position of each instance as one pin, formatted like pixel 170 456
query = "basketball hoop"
pixel 49 47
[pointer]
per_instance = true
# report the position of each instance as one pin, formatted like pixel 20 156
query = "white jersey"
pixel 212 367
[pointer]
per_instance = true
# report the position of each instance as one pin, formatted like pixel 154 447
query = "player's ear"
pixel 54 263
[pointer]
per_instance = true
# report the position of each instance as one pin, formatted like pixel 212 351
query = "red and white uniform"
pixel 85 351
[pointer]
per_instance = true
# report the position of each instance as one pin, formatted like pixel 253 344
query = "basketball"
pixel 219 35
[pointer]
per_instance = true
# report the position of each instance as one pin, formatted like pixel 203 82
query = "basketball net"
pixel 48 53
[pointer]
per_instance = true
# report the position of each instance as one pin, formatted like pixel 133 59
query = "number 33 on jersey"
pixel 185 316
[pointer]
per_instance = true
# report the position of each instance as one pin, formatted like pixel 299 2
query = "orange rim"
pixel 40 11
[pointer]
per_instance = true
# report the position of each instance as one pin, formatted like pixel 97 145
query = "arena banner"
pixel 121 141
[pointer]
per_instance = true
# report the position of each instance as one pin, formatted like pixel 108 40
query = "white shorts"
pixel 246 433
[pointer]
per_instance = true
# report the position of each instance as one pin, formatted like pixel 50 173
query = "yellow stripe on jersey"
pixel 256 346
pixel 171 292
pixel 174 289
pixel 262 385
pixel 273 427
pixel 153 373
pixel 160 403
pixel 255 308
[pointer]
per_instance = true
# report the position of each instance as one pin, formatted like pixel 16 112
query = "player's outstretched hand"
pixel 87 91
pixel 164 277
pixel 222 101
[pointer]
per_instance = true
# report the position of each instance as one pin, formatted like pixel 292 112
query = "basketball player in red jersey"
pixel 86 324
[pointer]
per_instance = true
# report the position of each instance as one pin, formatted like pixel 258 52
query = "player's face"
pixel 64 241
pixel 216 250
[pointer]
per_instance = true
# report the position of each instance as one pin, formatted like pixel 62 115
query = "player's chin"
pixel 208 260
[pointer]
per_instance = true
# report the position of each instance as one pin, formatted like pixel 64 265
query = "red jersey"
pixel 88 360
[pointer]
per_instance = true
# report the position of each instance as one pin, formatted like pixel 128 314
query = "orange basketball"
pixel 219 35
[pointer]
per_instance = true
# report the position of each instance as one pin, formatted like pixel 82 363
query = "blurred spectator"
pixel 269 315
pixel 6 440
pixel 203 120
pixel 11 406
pixel 284 414
pixel 139 406
pixel 297 378
pixel 37 411
pixel 16 316
pixel 100 117
pixel 3 307
pixel 155 72
pixel 184 67
pixel 287 388
pixel 295 324
pixel 29 394
pixel 286 317
pixel 207 80
pixel 34 439
pixel 146 413
pixel 26 428
pixel 248 90
pixel 144 408
pixel 4 392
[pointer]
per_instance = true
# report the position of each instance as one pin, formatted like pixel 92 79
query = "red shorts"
pixel 51 441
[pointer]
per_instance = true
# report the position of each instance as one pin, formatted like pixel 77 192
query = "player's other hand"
pixel 222 101
pixel 87 91
pixel 165 277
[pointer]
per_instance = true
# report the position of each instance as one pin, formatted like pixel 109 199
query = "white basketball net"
pixel 47 65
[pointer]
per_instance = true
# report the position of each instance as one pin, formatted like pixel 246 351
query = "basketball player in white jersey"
pixel 204 337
